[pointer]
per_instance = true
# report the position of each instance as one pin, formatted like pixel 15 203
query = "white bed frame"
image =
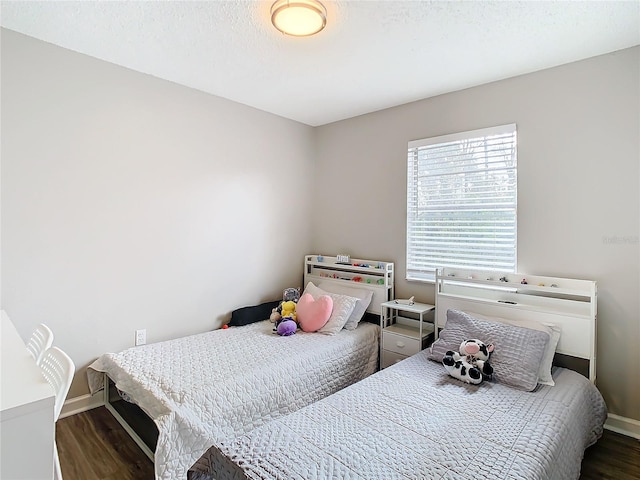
pixel 569 303
pixel 375 275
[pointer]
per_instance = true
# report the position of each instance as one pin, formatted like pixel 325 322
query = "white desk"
pixel 26 411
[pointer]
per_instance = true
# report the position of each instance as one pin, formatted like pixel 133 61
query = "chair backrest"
pixel 58 369
pixel 41 339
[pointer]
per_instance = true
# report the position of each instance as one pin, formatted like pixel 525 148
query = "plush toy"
pixel 291 295
pixel 288 310
pixel 286 327
pixel 471 365
pixel 284 316
pixel 288 295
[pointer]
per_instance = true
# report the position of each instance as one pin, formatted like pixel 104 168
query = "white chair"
pixel 58 369
pixel 41 339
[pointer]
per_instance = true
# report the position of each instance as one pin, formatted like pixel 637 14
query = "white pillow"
pixel 343 306
pixel 364 300
pixel 544 372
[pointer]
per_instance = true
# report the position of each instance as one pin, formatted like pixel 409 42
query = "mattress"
pixel 203 388
pixel 413 421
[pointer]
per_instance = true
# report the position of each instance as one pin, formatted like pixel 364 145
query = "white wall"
pixel 578 189
pixel 130 202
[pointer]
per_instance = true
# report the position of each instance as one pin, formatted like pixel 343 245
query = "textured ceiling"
pixel 372 55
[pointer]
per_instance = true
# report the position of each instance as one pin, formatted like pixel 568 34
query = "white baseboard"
pixel 623 425
pixel 81 404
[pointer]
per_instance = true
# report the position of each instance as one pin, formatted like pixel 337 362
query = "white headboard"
pixel 569 303
pixel 374 275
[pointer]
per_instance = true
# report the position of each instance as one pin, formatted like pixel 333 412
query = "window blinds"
pixel 461 202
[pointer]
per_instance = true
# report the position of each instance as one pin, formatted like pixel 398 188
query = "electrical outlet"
pixel 141 337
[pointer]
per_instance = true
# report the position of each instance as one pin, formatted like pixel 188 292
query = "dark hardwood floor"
pixel 93 446
pixel 614 457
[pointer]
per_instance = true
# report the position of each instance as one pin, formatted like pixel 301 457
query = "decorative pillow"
pixel 364 300
pixel 343 306
pixel 252 314
pixel 545 376
pixel 518 351
pixel 313 314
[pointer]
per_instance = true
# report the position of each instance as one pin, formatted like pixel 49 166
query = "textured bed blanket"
pixel 203 388
pixel 413 421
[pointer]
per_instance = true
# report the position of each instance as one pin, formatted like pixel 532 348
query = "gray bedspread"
pixel 413 421
pixel 204 388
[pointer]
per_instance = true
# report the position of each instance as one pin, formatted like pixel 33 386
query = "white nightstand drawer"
pixel 389 358
pixel 400 344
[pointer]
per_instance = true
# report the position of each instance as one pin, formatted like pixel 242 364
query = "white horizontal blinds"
pixel 461 202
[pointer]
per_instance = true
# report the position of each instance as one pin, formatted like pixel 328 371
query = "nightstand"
pixel 403 336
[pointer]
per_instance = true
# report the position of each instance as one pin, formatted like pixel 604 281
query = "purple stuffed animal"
pixel 287 327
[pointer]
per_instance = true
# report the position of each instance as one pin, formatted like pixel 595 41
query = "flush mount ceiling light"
pixel 299 18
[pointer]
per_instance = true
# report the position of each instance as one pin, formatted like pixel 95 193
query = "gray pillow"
pixel 517 354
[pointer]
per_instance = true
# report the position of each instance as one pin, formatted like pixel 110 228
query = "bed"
pixel 200 389
pixel 412 420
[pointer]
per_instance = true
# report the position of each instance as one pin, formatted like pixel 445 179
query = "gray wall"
pixel 130 202
pixel 578 184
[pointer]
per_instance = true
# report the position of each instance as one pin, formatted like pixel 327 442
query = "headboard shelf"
pixel 536 284
pixel 356 265
pixel 374 275
pixel 570 303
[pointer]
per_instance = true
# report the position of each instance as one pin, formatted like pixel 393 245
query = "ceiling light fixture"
pixel 299 18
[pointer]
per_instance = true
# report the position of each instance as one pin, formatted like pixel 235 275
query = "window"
pixel 461 202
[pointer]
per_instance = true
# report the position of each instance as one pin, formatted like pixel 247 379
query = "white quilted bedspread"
pixel 413 421
pixel 203 388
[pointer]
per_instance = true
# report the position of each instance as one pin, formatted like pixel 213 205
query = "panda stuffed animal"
pixel 471 365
